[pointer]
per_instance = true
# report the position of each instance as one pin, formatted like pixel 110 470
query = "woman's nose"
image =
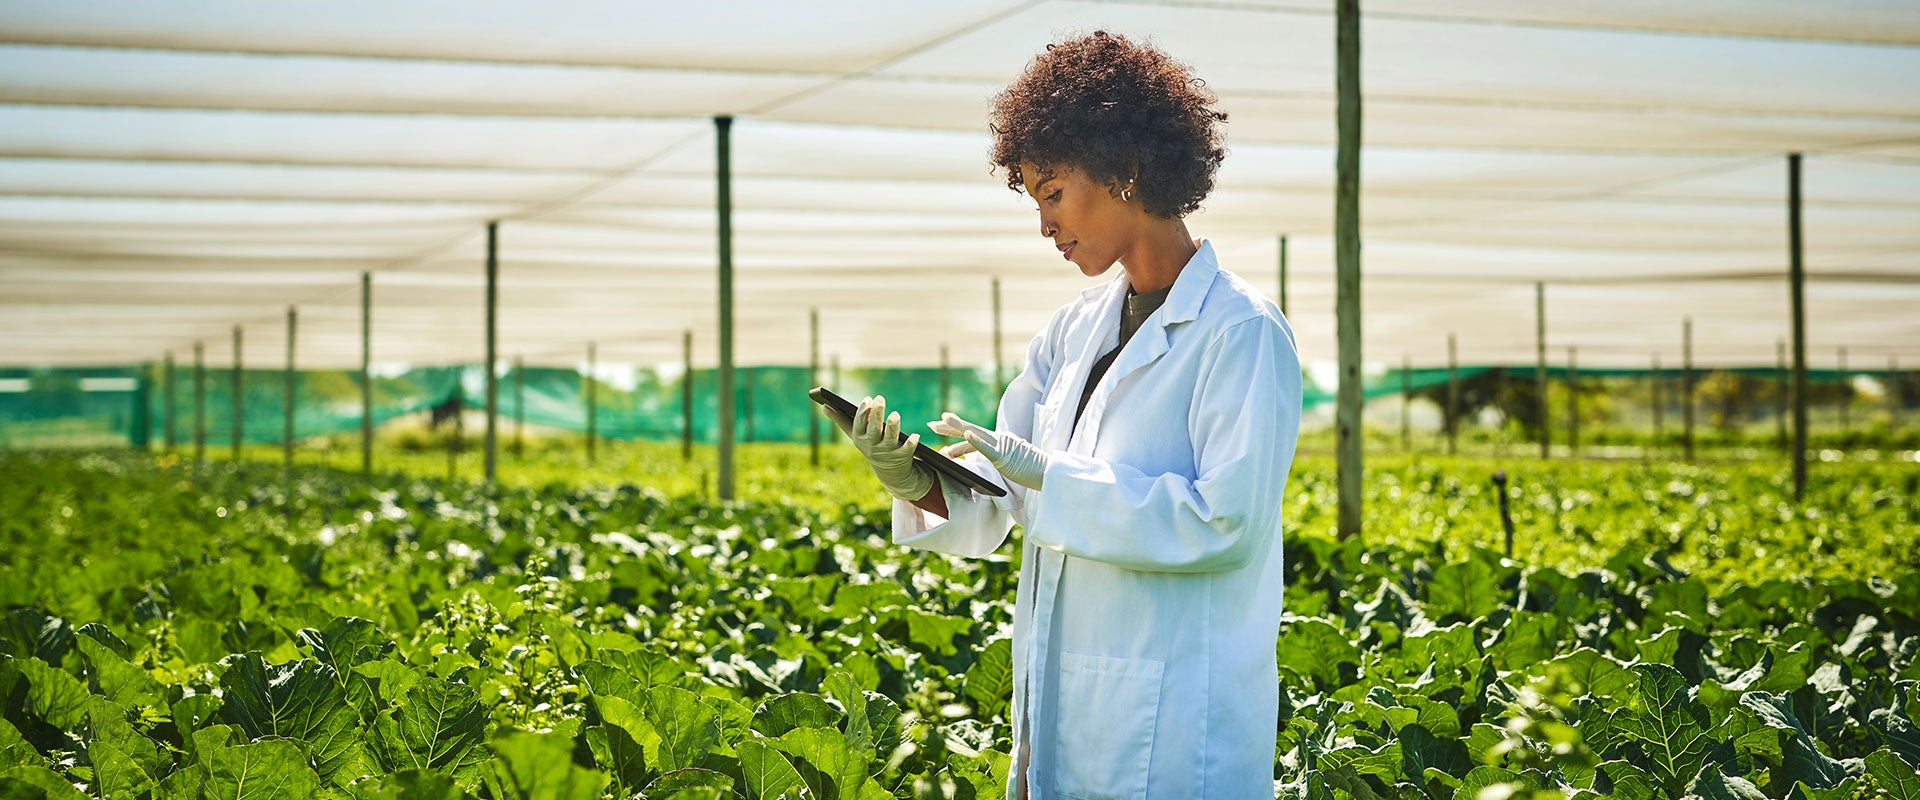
pixel 1047 228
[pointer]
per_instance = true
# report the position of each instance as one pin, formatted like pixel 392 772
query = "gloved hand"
pixel 1016 458
pixel 876 435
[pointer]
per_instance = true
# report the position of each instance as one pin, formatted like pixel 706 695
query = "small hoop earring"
pixel 1126 195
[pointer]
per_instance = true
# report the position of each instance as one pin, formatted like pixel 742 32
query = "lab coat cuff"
pixel 1063 486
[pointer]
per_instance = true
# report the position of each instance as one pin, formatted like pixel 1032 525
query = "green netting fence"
pixel 102 406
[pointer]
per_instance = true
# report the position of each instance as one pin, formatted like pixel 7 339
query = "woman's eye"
pixel 1054 198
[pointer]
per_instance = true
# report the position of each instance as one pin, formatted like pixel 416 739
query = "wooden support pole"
pixel 1796 285
pixel 1406 403
pixel 1540 363
pixel 238 404
pixel 1283 275
pixel 686 397
pixel 292 392
pixel 593 401
pixel 1347 263
pixel 366 373
pixel 1453 396
pixel 999 362
pixel 813 379
pixel 723 176
pixel 199 404
pixel 1573 403
pixel 1686 386
pixel 493 350
pixel 167 403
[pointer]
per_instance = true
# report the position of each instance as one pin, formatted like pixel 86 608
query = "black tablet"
pixel 924 454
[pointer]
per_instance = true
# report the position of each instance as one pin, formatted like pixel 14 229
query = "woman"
pixel 1145 447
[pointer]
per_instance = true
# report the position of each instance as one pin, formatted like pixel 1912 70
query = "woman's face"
pixel 1085 221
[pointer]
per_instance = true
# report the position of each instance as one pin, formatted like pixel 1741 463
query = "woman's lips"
pixel 1066 250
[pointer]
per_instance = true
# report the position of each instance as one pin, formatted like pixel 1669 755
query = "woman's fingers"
pixel 957 449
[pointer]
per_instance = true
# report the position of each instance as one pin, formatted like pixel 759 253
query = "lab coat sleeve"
pixel 1244 423
pixel 980 523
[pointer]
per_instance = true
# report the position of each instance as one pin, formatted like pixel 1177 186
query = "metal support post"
pixel 493 350
pixel 723 175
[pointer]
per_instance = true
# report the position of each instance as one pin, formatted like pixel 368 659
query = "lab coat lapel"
pixel 1150 342
pixel 1086 340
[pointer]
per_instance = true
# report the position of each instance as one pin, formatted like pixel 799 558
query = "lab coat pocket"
pixel 1108 708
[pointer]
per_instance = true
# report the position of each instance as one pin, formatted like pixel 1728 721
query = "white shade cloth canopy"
pixel 169 170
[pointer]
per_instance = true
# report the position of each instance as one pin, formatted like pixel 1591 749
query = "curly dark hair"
pixel 1114 109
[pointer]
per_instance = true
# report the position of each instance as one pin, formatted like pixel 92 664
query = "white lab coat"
pixel 1149 595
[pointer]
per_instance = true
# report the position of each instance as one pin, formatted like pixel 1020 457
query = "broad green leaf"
pixel 1465 589
pixel 621 745
pixel 1672 730
pixel 689 780
pixel 15 751
pixel 28 633
pixel 114 678
pixel 437 725
pixel 302 701
pixel 826 761
pixel 1844 791
pixel 935 632
pixel 1599 674
pixel 53 695
pixel 1384 762
pixel 688 729
pixel 768 772
pixel 269 769
pixel 1895 776
pixel 1628 782
pixel 34 782
pixel 1315 648
pixel 418 784
pixel 1480 778
pixel 116 773
pixel 796 710
pixel 1789 671
pixel 345 643
pixel 1801 760
pixel 989 682
pixel 539 766
pixel 1712 785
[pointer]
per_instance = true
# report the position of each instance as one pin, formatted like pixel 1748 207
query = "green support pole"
pixel 1573 404
pixel 1347 263
pixel 1283 275
pixel 723 127
pixel 1452 417
pixel 1846 391
pixel 366 373
pixel 1686 386
pixel 1796 284
pixel 238 404
pixel 1781 391
pixel 493 349
pixel 593 401
pixel 286 425
pixel 520 405
pixel 142 433
pixel 686 397
pixel 999 365
pixel 1540 362
pixel 199 404
pixel 813 379
pixel 167 402
pixel 1406 402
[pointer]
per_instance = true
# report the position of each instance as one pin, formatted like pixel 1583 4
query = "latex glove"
pixel 876 434
pixel 1016 458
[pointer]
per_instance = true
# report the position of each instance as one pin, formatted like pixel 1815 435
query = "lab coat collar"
pixel 1189 288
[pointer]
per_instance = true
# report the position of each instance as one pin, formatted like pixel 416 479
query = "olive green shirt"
pixel 1132 315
